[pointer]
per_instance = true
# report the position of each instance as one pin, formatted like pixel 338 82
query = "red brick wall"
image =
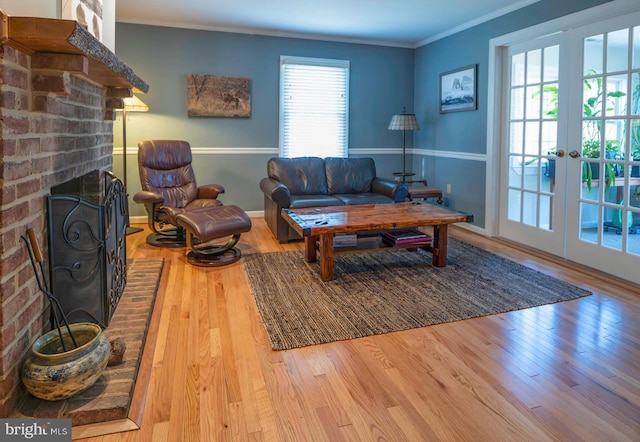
pixel 53 129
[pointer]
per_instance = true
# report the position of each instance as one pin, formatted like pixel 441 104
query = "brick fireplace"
pixel 59 88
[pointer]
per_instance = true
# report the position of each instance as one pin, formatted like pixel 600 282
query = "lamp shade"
pixel 134 104
pixel 404 122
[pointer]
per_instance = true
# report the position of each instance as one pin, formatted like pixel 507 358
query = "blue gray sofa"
pixel 315 182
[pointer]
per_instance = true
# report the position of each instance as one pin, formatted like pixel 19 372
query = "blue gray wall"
pixel 466 132
pixel 234 151
pixel 383 80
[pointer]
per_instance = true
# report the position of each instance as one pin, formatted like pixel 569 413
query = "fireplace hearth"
pixel 86 224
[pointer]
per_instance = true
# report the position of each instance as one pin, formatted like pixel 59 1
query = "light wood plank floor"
pixel 569 371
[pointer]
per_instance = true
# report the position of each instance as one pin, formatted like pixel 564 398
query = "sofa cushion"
pixel 363 198
pixel 303 175
pixel 349 175
pixel 304 201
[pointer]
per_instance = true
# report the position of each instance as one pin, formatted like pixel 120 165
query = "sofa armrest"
pixel 394 190
pixel 276 191
pixel 210 191
pixel 148 197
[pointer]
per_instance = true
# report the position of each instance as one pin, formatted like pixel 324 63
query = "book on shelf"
pixel 405 236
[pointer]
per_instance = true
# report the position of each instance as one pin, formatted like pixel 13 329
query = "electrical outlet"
pixel 448 189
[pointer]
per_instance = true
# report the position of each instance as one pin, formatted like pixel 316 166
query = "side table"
pixel 425 192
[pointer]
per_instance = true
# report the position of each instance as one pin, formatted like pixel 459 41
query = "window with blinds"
pixel 314 107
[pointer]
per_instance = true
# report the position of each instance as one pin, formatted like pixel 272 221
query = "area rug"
pixel 110 397
pixel 392 290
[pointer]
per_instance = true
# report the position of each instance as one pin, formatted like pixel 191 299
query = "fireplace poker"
pixel 35 255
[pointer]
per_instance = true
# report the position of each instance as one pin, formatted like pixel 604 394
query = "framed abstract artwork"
pixel 458 90
pixel 218 96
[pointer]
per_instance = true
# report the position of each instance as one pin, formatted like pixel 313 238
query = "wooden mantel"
pixel 47 36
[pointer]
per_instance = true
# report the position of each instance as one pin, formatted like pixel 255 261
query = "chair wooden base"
pixel 169 238
pixel 222 258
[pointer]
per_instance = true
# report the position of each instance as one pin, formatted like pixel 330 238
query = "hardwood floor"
pixel 568 371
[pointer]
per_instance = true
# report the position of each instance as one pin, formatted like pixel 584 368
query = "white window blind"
pixel 314 107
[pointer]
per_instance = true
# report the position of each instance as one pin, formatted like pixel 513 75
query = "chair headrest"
pixel 164 154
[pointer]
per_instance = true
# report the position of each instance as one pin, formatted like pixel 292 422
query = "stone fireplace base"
pixel 108 405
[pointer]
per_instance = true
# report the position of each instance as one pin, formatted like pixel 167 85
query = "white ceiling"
pixel 404 23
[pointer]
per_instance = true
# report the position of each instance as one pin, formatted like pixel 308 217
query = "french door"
pixel 571 145
pixel 532 170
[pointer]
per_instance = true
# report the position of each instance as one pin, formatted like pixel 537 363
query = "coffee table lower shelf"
pixel 375 243
pixel 321 247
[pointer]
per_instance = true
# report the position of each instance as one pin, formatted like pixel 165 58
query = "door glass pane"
pixel 592 98
pixel 513 205
pixel 612 235
pixel 590 173
pixel 634 150
pixel 531 175
pixel 517 70
pixel 516 139
pixel 533 102
pixel 534 60
pixel 532 140
pixel 545 212
pixel 515 171
pixel 517 103
pixel 636 47
pixel 612 194
pixel 614 136
pixel 635 93
pixel 593 54
pixel 551 63
pixel 545 183
pixel 589 222
pixel 618 50
pixel 616 96
pixel 550 101
pixel 549 133
pixel 530 209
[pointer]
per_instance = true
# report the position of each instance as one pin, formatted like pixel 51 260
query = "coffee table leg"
pixel 327 262
pixel 310 248
pixel 439 247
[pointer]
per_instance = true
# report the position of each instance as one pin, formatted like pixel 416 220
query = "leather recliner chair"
pixel 169 189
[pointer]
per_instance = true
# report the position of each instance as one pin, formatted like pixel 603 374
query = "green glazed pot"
pixel 52 374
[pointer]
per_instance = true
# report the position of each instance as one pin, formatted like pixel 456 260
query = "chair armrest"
pixel 210 191
pixel 148 197
pixel 276 191
pixel 397 191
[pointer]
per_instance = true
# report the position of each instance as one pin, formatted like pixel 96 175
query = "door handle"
pixel 574 154
pixel 560 153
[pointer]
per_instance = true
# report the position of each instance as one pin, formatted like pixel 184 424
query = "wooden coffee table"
pixel 318 226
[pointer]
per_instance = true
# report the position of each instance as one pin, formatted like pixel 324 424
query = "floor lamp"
pixel 404 122
pixel 131 104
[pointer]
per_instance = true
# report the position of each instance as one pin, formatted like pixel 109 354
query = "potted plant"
pixel 68 359
pixel 634 152
pixel 591 171
pixel 592 108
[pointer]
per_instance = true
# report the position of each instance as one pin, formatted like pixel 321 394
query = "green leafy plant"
pixel 591 147
pixel 635 124
pixel 592 109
